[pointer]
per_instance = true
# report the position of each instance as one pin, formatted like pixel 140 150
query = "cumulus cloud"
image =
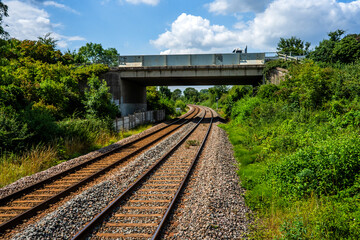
pixel 191 34
pixel 61 6
pixel 307 19
pixel 237 6
pixel 27 21
pixel 149 2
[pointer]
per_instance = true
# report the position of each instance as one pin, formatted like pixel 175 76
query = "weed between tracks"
pixel 38 158
pixel 191 143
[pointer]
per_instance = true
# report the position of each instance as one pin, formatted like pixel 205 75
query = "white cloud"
pixel 307 19
pixel 236 6
pixel 190 34
pixel 27 21
pixel 149 2
pixel 61 6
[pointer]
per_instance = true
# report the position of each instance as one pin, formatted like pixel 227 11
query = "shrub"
pixel 180 104
pixel 267 91
pixel 13 133
pixel 325 169
pixel 244 108
pixel 41 124
pixel 98 100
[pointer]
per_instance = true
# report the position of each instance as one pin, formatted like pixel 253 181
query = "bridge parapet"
pixel 192 60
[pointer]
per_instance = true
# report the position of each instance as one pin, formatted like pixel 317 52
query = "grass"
pixel 17 166
pixel 302 176
pixel 41 157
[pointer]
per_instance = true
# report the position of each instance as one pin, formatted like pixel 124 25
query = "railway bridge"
pixel 128 81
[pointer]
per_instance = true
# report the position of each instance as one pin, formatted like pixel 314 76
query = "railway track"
pixel 26 203
pixel 142 210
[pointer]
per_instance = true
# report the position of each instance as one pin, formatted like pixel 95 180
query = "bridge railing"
pixel 192 59
pixel 276 55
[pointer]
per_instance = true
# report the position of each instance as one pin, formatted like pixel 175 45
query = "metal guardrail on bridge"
pixel 192 59
pixel 276 55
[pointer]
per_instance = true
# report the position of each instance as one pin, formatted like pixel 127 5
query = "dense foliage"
pixel 297 145
pixel 162 98
pixel 337 49
pixel 39 88
pixel 293 46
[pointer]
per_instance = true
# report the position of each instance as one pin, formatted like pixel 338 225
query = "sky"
pixel 141 27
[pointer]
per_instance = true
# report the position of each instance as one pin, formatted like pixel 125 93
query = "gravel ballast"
pixel 69 218
pixel 215 207
pixel 212 208
pixel 37 177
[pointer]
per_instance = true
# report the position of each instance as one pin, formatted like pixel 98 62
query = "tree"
pixel 110 57
pixel 47 40
pixel 91 52
pixel 98 100
pixel 3 13
pixel 337 49
pixel 293 46
pixel 95 53
pixel 324 52
pixel 347 50
pixel 176 94
pixel 236 93
pixel 165 92
pixel 336 35
pixel 204 95
pixel 217 91
pixel 152 98
pixel 191 94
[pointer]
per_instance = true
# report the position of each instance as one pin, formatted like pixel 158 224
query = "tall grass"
pixel 15 166
pixel 37 159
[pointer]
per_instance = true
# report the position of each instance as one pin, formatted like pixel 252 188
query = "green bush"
pixel 85 130
pixel 327 169
pixel 297 147
pixel 180 104
pixel 41 124
pixel 267 91
pixel 244 108
pixel 14 134
pixel 98 100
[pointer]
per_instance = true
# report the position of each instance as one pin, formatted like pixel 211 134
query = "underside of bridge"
pixel 128 84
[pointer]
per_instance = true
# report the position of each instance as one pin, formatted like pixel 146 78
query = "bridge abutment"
pixel 129 96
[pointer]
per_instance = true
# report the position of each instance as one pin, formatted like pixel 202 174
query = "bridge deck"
pixel 192 60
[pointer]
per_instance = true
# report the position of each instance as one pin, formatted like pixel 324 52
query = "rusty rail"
pixel 43 205
pixel 82 234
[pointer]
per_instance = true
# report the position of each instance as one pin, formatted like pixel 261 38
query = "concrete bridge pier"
pixel 129 96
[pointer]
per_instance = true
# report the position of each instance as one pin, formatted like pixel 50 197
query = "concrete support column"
pixel 113 81
pixel 129 96
pixel 133 97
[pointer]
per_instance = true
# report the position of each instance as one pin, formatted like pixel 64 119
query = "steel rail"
pixel 43 205
pixel 181 187
pixel 113 204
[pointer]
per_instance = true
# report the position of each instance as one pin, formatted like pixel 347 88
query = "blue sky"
pixel 187 26
pixel 168 26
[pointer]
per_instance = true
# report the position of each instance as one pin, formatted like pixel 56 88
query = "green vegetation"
pixel 297 144
pixel 53 106
pixel 293 46
pixel 337 49
pixel 44 98
pixel 82 137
